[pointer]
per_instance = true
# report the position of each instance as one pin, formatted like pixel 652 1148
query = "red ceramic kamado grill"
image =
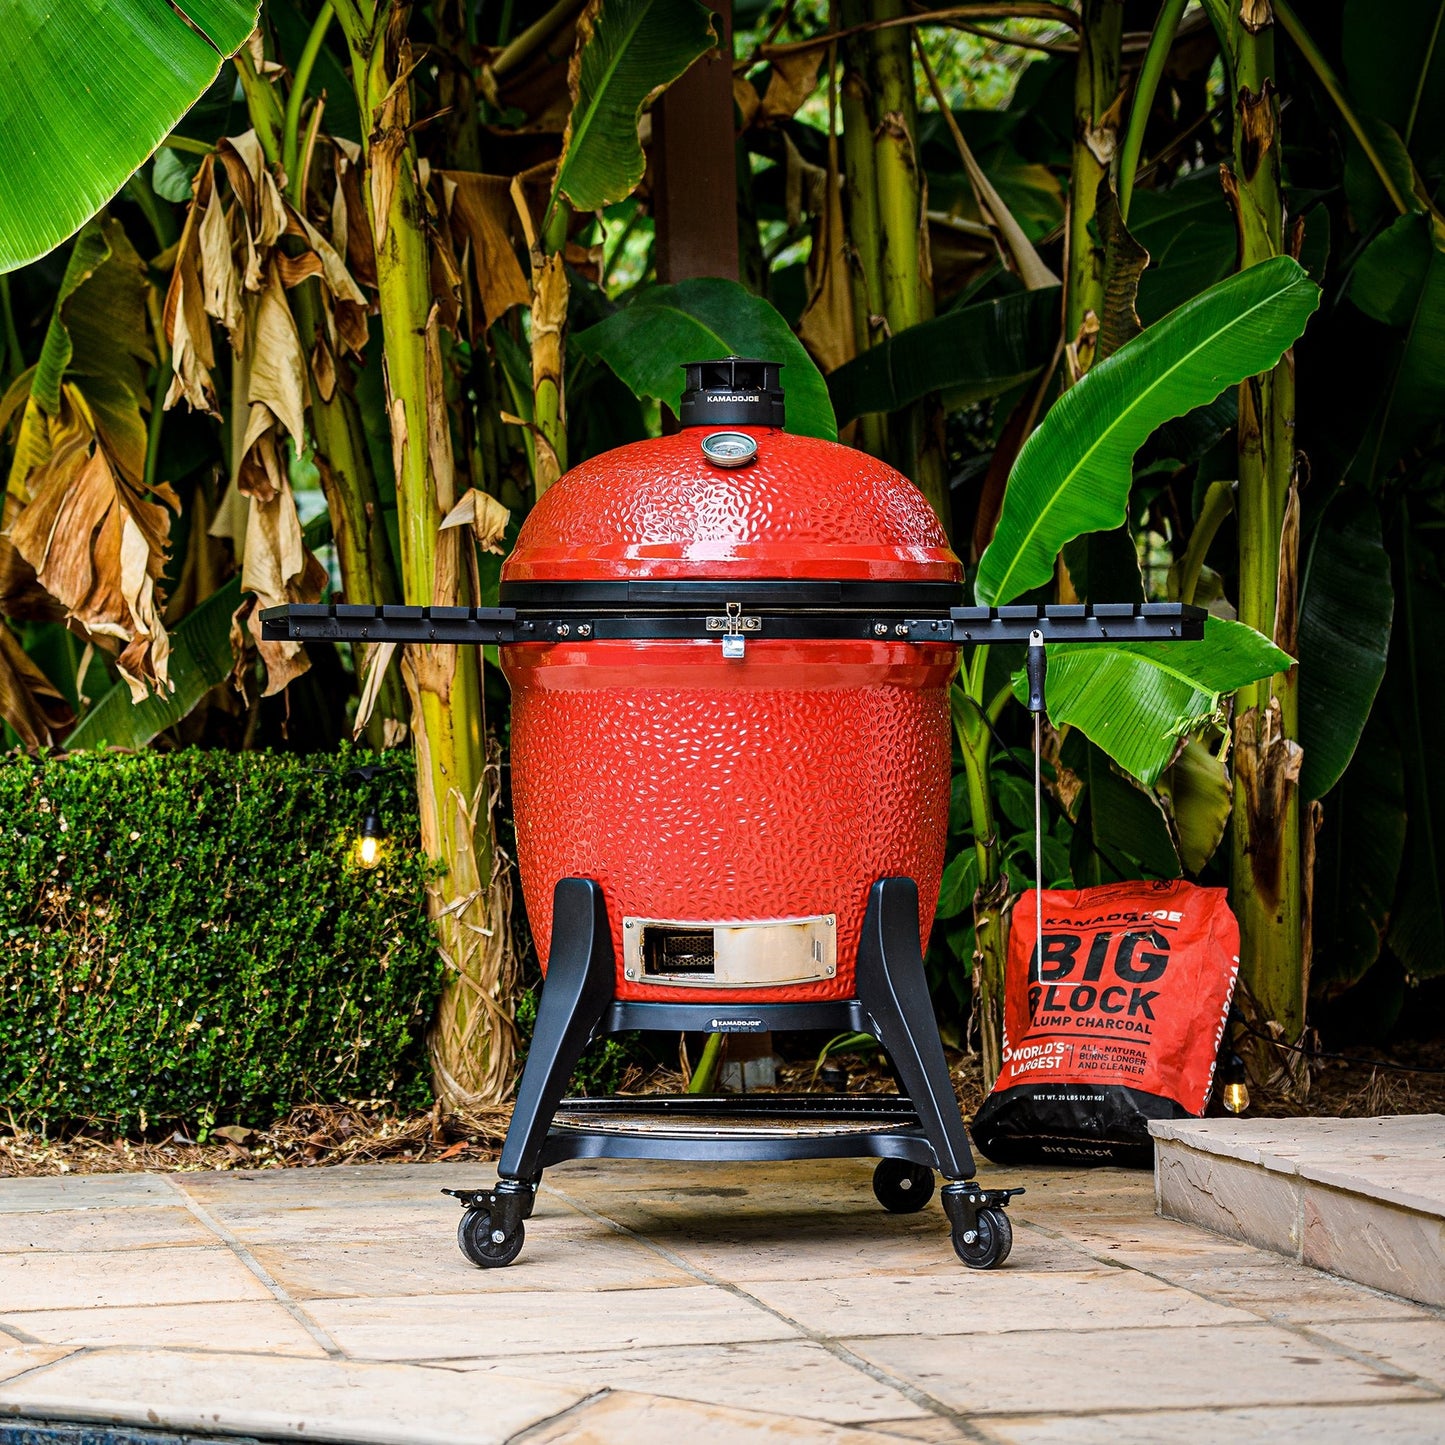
pixel 730 652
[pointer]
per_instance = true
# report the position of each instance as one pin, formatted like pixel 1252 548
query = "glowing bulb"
pixel 368 843
pixel 1235 1095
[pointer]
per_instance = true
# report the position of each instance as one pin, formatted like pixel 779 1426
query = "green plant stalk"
pixel 862 209
pixel 1267 863
pixel 990 926
pixel 291 123
pixel 471 1040
pixel 1324 73
pixel 549 321
pixel 1096 86
pixel 185 144
pixel 1145 89
pixel 705 1075
pixel 1218 504
pixel 158 215
pixel 262 106
pixel 903 240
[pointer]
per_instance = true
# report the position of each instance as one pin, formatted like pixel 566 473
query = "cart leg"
pixel 894 991
pixel 576 994
pixel 578 990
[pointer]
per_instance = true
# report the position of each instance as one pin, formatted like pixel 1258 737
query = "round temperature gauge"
pixel 729 448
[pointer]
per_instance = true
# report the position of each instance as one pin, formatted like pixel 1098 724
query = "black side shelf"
pixel 804 617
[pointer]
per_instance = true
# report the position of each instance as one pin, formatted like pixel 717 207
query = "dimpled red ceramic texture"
pixel 782 786
pixel 804 508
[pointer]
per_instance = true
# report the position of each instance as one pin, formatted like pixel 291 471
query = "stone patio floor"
pixel 774 1303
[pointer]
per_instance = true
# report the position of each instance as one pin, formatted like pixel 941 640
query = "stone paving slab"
pixel 1380 1424
pixel 1362 1198
pixel 255 1326
pixel 793 1377
pixel 669 1303
pixel 283 1398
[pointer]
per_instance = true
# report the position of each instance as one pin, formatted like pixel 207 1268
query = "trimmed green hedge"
pixel 186 938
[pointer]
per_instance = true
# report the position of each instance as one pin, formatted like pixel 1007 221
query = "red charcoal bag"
pixel 1125 1026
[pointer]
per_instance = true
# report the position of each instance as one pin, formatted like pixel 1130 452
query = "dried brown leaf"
pixel 378 659
pixel 826 326
pixel 350 224
pixel 481 212
pixel 484 514
pixel 278 568
pixel 277 377
pixel 383 165
pixel 187 329
pixel 794 78
pixel 97 545
pixel 32 705
pixel 1124 263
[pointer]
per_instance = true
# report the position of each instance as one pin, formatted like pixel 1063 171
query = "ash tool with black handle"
pixel 1034 670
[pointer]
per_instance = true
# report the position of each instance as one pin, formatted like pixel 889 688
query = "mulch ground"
pixel 367 1132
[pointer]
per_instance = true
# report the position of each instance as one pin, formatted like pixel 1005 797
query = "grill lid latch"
pixel 733 626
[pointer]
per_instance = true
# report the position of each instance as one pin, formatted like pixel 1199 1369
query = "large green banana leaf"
pixel 1357 865
pixel 647 342
pixel 1395 65
pixel 1191 239
pixel 1417 695
pixel 90 88
pixel 1120 830
pixel 1135 699
pixel 1074 472
pixel 1400 280
pixel 1346 606
pixel 634 47
pixel 974 352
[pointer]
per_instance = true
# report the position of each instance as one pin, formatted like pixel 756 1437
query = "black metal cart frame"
pixel 912 1133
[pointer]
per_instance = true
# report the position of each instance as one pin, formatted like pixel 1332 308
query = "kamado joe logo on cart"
pixel 1110 982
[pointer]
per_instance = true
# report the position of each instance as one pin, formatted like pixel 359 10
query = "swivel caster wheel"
pixel 479 1242
pixel 993 1237
pixel 901 1186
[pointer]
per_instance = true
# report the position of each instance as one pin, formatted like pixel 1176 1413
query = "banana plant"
pixel 1073 477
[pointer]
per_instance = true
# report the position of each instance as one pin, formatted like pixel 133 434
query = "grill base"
pixel 579 1003
pixel 910 1134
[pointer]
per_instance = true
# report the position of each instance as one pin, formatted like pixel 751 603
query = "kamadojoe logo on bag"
pixel 1128 1000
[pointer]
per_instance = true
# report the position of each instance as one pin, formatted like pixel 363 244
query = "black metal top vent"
pixel 734 391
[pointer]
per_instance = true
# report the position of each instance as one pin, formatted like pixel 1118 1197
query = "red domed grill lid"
pixel 733 497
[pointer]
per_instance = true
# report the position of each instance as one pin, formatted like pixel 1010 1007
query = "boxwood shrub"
pixel 186 938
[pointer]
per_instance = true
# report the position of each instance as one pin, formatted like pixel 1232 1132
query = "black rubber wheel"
pixel 901 1186
pixel 474 1238
pixel 994 1238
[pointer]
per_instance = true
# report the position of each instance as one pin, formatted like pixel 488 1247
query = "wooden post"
pixel 695 195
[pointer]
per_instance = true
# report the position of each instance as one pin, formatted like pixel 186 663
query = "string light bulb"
pixel 1235 1095
pixel 369 840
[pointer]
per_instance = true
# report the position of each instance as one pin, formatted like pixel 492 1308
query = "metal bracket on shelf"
pixel 1094 622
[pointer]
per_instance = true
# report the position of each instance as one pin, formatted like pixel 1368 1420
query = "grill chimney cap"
pixel 732 391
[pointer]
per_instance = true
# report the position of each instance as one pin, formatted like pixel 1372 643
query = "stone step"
pixel 1361 1198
